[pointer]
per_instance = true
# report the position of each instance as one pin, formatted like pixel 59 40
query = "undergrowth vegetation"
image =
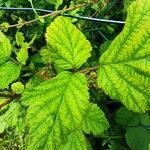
pixel 70 82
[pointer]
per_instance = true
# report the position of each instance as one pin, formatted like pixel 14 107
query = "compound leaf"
pixel 60 104
pixel 5 48
pixel 124 71
pixel 67 45
pixel 9 72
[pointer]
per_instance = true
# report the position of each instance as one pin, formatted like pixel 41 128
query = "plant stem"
pixel 87 70
pixel 33 8
pixel 16 62
pixel 47 15
pixel 67 15
pixel 2 94
pixel 10 97
pixel 6 102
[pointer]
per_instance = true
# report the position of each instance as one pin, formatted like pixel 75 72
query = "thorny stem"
pixel 47 15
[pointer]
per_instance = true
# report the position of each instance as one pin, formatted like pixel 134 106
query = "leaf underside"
pixel 124 71
pixel 56 111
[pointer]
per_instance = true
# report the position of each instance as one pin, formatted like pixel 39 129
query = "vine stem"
pixel 87 70
pixel 47 15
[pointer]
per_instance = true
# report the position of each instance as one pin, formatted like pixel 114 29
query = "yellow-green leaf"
pixel 22 55
pixel 17 87
pixel 67 45
pixel 76 141
pixel 9 72
pixel 10 117
pixel 45 53
pixel 20 38
pixel 57 108
pixel 5 48
pixel 94 121
pixel 124 71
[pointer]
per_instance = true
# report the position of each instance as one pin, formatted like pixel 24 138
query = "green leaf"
pixel 10 118
pixel 67 45
pixel 33 38
pixel 9 72
pixel 2 125
pixel 55 2
pixel 34 81
pixel 22 55
pixel 4 26
pixel 19 38
pixel 94 121
pixel 124 72
pixel 17 87
pixel 76 141
pixel 124 116
pixel 138 133
pixel 45 53
pixel 60 107
pixel 5 48
pixel 127 4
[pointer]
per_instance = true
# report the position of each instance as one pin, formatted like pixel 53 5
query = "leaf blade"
pixel 5 48
pixel 9 72
pixel 94 121
pixel 61 108
pixel 124 71
pixel 58 114
pixel 138 134
pixel 68 46
pixel 22 55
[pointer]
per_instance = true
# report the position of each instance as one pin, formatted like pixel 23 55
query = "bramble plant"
pixel 61 96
